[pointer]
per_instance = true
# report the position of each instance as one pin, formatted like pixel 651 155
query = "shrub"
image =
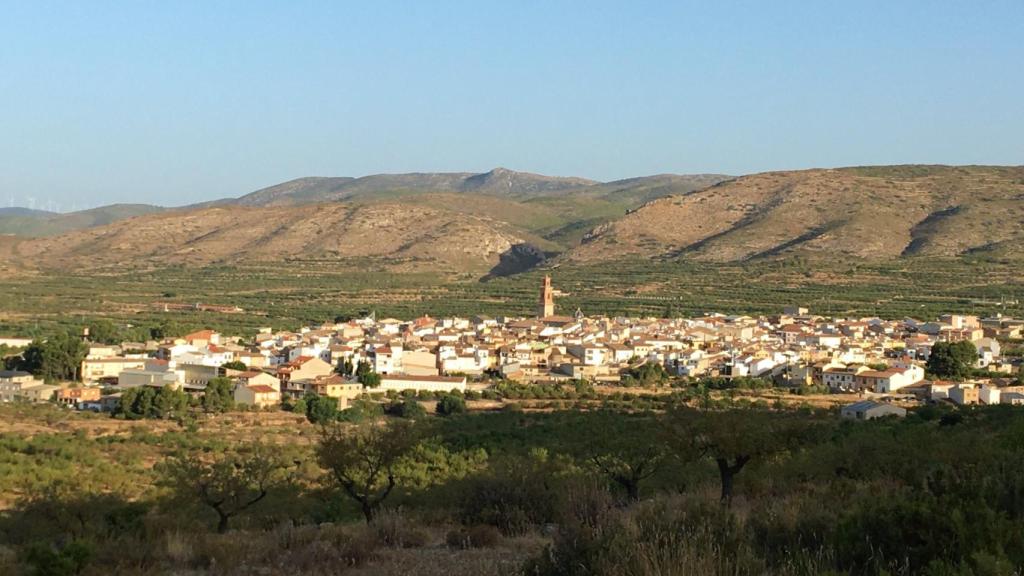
pixel 408 408
pixel 479 536
pixel 514 494
pixel 450 405
pixel 321 409
pixel 395 530
pixel 68 560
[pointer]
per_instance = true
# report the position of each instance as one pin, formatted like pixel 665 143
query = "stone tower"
pixel 546 304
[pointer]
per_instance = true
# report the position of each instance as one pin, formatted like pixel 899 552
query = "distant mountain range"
pixel 500 182
pixel 497 182
pixel 503 222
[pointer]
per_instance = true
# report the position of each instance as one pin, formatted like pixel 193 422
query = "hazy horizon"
pixel 191 102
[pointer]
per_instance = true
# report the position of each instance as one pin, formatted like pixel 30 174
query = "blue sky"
pixel 177 102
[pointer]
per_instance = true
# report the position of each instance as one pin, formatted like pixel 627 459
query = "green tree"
pixel 230 483
pixel 364 462
pixel 344 367
pixel 234 365
pixel 104 332
pixel 55 359
pixel 361 410
pixel 321 409
pixel 732 438
pixel 136 403
pixel 363 367
pixel 622 448
pixel 954 360
pixel 366 375
pixel 298 407
pixel 408 408
pixel 219 395
pixel 168 402
pixel 370 380
pixel 450 405
pixel 646 374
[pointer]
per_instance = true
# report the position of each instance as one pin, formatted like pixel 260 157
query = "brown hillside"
pixel 397 236
pixel 872 213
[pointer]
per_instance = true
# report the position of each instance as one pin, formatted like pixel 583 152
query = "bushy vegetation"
pixel 954 360
pixel 147 402
pixel 55 358
pixel 450 405
pixel 682 491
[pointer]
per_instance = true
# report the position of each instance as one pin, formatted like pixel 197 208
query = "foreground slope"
pixel 871 212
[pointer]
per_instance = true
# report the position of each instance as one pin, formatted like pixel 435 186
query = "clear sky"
pixel 177 102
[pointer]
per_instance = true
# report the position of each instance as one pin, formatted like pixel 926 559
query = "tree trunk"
pixel 632 489
pixel 222 524
pixel 368 511
pixel 725 473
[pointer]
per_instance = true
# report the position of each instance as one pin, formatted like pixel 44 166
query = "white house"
pixel 431 383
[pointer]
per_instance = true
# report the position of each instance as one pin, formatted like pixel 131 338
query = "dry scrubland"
pixel 541 493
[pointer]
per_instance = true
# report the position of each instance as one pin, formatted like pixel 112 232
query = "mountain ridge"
pixel 499 182
pixel 862 212
pixel 866 212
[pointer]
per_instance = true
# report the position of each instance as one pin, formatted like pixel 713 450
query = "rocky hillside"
pixel 876 213
pixel 870 212
pixel 388 235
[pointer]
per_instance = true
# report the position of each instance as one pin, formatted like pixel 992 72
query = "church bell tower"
pixel 546 304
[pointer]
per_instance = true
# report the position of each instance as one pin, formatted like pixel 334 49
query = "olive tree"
pixel 623 448
pixel 733 438
pixel 229 483
pixel 364 461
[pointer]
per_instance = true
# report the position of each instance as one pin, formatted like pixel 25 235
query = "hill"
pixel 503 222
pixel 27 212
pixel 391 236
pixel 23 222
pixel 560 209
pixel 879 213
pixel 500 181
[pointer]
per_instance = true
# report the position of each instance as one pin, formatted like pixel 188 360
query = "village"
pixel 882 362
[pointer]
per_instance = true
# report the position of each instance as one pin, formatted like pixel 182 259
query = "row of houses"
pixel 794 348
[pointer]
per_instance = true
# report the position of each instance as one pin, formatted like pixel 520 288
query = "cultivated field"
pixel 294 293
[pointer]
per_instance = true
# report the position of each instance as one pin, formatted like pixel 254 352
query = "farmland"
pixel 294 293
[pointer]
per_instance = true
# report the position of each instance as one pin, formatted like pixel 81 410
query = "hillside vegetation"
pixel 736 487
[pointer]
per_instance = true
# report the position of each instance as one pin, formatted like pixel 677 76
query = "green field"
pixel 294 293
